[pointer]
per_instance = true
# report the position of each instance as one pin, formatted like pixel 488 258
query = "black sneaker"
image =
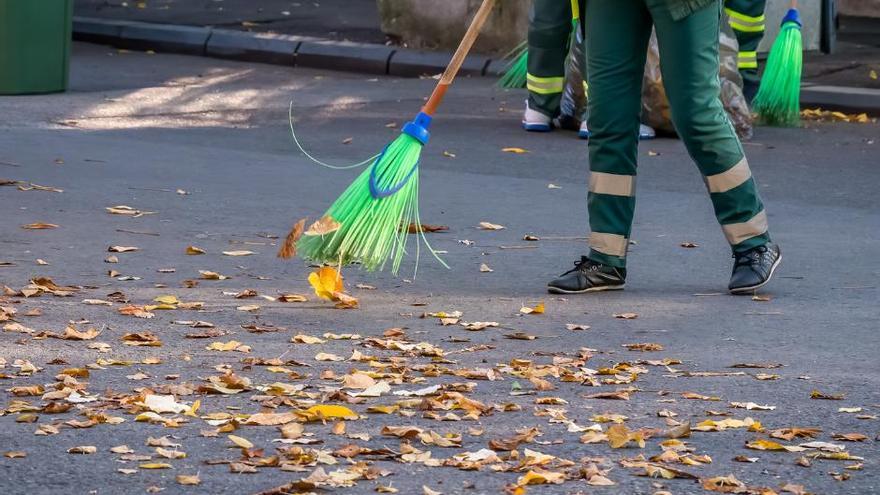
pixel 753 268
pixel 588 276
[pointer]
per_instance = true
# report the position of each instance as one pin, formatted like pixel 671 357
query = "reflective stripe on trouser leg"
pixel 617 33
pixel 747 60
pixel 689 50
pixel 549 32
pixel 612 199
pixel 744 23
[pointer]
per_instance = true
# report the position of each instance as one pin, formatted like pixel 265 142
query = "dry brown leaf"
pixel 39 226
pixel 193 250
pixel 288 247
pixel 323 226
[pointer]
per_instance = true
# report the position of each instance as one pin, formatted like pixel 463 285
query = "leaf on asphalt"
pixel 232 345
pixel 39 226
pixel 127 211
pixel 626 316
pixel 815 394
pixel 288 247
pixel 240 442
pixel 789 434
pixel 238 253
pixel 321 412
pixel 122 249
pixel 188 479
pixel 751 406
pixel 271 419
pixel 539 476
pixel 484 268
pixel 83 449
pixel 323 226
pixel 292 298
pixel 644 346
pixel 142 339
pixel 574 327
pixel 517 151
pixel 327 283
pixel 193 250
pixel 619 436
pixel 136 311
pixel 537 310
pixel 209 275
pixel 415 228
pixel 491 226
pixel 163 404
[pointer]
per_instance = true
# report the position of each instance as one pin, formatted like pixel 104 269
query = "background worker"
pixel 617 41
pixel 553 26
pixel 746 18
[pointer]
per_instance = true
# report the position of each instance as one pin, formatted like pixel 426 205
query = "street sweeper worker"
pixel 617 34
pixel 553 26
pixel 746 18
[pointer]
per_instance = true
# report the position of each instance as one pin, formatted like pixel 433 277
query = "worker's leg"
pixel 617 33
pixel 689 65
pixel 549 32
pixel 746 17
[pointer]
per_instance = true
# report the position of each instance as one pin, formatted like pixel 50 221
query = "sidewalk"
pixel 345 35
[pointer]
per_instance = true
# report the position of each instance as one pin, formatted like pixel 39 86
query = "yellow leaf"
pixel 326 281
pixel 518 151
pixel 762 444
pixel 192 250
pixel 155 465
pixel 326 411
pixel 188 479
pixel 241 442
pixel 540 477
pixel 167 299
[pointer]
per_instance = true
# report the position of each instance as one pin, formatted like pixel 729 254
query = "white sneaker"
pixel 584 131
pixel 646 132
pixel 535 121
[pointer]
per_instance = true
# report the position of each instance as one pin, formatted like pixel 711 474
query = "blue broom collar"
pixel 792 16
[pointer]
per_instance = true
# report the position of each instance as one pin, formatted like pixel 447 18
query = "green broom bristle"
pixel 515 74
pixel 372 230
pixel 778 99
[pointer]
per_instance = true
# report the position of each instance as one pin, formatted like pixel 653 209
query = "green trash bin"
pixel 34 45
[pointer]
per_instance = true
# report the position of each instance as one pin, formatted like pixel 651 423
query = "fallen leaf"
pixel 192 250
pixel 82 449
pixel 514 150
pixel 491 226
pixel 122 249
pixel 626 316
pixel 323 226
pixel 188 479
pixel 39 226
pixel 288 247
pixel 238 253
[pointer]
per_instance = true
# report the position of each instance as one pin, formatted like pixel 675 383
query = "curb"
pixel 278 49
pixel 843 98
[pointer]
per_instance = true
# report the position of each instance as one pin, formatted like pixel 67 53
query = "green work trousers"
pixel 550 26
pixel 617 38
pixel 746 17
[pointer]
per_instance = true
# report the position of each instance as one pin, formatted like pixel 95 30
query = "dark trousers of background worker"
pixel 746 17
pixel 617 34
pixel 550 29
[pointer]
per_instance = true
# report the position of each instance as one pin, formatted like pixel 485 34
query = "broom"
pixel 517 68
pixel 514 76
pixel 370 221
pixel 778 99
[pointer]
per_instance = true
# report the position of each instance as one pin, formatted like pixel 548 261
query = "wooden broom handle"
pixel 458 58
